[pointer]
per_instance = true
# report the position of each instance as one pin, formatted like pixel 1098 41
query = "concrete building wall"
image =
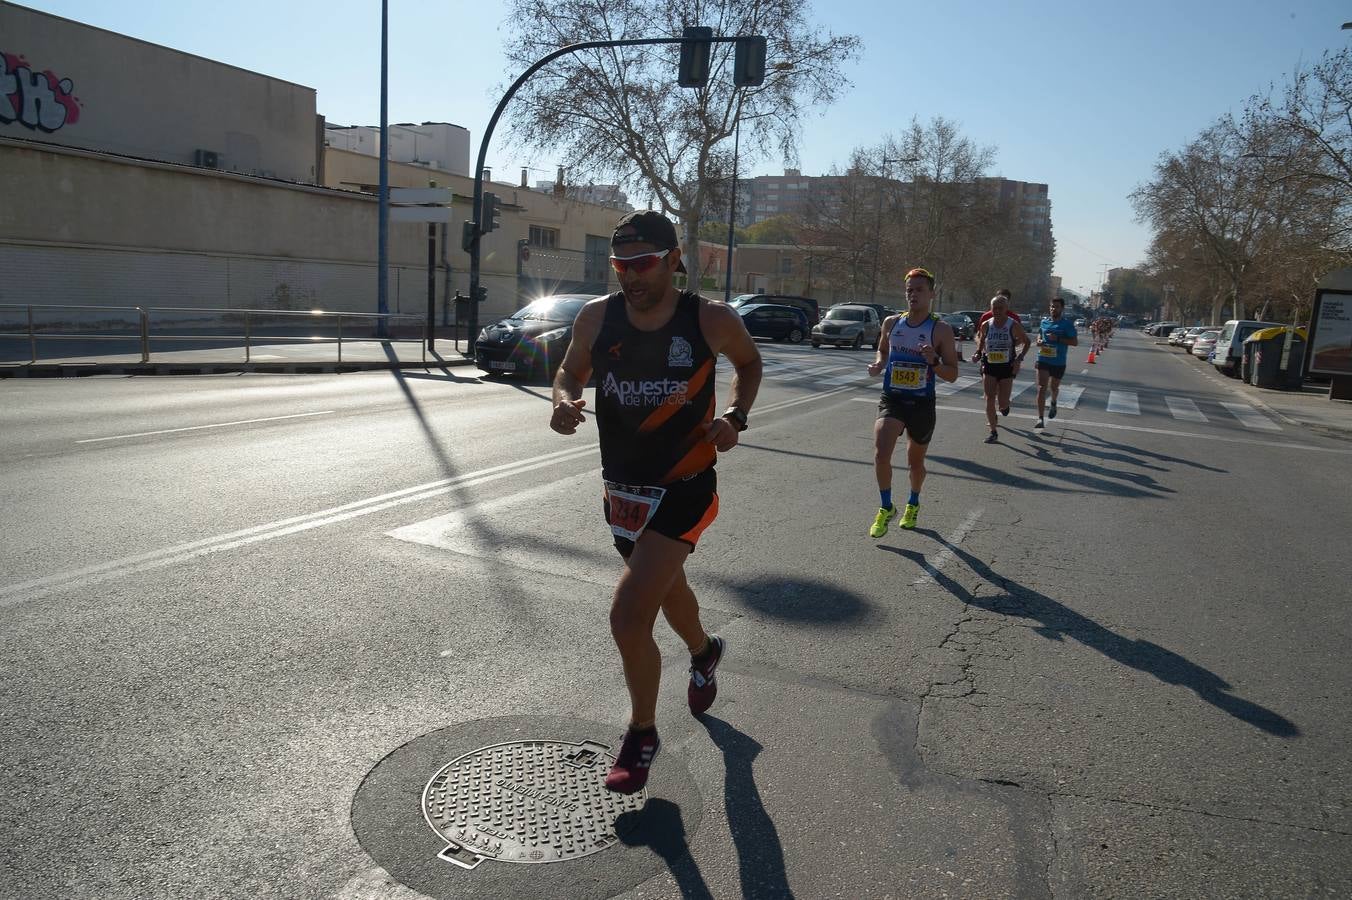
pixel 432 145
pixel 116 94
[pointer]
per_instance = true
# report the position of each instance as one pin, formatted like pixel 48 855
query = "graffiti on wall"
pixel 41 101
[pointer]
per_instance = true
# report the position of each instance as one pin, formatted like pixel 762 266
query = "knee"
pixel 626 625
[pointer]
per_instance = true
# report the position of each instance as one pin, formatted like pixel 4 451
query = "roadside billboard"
pixel 1330 346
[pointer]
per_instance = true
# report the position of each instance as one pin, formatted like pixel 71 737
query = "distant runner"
pixel 1055 334
pixel 995 342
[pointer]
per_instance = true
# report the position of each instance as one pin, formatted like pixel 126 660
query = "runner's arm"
pixel 981 337
pixel 1070 340
pixel 576 369
pixel 946 352
pixel 884 347
pixel 725 333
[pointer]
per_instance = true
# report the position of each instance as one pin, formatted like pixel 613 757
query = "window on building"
pixel 596 264
pixel 544 238
pixel 786 265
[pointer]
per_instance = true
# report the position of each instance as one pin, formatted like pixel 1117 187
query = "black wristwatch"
pixel 736 417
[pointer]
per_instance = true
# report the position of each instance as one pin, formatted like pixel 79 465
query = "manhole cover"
pixel 495 789
pixel 526 802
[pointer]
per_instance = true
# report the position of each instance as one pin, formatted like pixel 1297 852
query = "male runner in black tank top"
pixel 653 350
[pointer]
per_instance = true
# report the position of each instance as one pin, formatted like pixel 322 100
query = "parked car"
pixel 1179 335
pixel 1192 334
pixel 963 326
pixel 1205 344
pixel 1080 322
pixel 532 340
pixel 848 325
pixel 810 309
pixel 1230 343
pixel 774 321
pixel 1157 328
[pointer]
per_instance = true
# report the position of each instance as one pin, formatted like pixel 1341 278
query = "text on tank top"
pixel 908 373
pixel 654 395
pixel 1000 341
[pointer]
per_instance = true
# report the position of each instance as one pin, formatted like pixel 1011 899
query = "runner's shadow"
pixel 1006 478
pixel 760 855
pixel 1042 454
pixel 659 827
pixel 801 600
pixel 1058 622
pixel 1127 448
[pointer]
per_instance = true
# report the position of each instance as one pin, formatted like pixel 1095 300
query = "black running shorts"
pixel 1057 372
pixel 687 508
pixel 916 414
pixel 998 371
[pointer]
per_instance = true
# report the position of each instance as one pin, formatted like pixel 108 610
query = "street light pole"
pixel 383 204
pixel 877 232
pixel 732 210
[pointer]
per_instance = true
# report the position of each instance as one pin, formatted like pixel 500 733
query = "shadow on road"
pixel 800 600
pixel 1070 433
pixel 1059 622
pixel 659 827
pixel 760 855
pixel 1140 479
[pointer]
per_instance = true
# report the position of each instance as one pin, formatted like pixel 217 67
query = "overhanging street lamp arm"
pixel 475 232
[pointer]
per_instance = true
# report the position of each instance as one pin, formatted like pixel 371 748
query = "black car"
pixel 811 311
pixel 532 340
pixel 963 326
pixel 770 320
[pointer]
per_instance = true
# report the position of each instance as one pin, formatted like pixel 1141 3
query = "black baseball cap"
pixel 647 226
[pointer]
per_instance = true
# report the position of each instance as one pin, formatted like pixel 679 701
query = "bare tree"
pixel 617 114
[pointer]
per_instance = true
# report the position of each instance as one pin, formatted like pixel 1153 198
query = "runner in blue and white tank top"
pixel 996 342
pixel 912 349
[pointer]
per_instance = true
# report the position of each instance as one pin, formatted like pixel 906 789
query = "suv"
pixel 776 321
pixel 848 325
pixel 806 304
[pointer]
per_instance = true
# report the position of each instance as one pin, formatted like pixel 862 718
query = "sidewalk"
pixel 1309 407
pixel 289 358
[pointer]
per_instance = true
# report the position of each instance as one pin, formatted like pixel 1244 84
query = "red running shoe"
pixel 630 772
pixel 703 686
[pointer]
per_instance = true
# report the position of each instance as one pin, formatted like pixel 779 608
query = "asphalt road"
pixel 1111 661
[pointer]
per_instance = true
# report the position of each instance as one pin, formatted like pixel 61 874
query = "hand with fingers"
pixel 567 416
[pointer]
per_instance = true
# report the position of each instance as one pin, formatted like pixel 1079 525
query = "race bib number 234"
pixel 632 507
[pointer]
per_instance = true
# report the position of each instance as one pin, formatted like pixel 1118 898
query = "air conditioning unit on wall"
pixel 209 159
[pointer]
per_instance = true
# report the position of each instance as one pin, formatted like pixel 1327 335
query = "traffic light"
pixel 467 235
pixel 695 52
pixel 490 213
pixel 748 63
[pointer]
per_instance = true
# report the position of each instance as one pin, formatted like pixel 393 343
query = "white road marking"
pixel 948 389
pixel 1123 402
pixel 945 556
pixel 25 591
pixel 1019 388
pixel 1184 408
pixel 1084 371
pixel 1250 417
pixel 119 437
pixel 1276 445
pixel 1069 396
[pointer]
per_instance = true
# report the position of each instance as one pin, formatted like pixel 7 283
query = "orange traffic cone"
pixel 1091 357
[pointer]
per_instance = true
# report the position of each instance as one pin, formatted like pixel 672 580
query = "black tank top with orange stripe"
pixel 654 395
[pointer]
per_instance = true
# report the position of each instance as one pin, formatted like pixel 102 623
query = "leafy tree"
pixel 774 230
pixel 616 114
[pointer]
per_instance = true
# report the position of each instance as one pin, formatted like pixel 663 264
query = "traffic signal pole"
pixel 478 227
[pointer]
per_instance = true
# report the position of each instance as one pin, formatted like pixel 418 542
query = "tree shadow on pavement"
pixel 1058 622
pixel 760 855
pixel 660 827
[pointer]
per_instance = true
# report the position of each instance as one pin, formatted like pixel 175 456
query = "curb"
pixel 82 370
pixel 1333 431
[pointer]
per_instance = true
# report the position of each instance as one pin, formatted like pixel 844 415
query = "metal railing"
pixel 145 334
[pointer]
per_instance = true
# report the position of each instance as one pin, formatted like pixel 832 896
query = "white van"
pixel 1230 345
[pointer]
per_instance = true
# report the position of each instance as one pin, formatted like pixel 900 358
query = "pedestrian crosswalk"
pixel 853 370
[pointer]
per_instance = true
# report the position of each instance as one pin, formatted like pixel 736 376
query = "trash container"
pixel 1245 365
pixel 1268 349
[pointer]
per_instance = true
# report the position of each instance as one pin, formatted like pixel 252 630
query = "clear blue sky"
pixel 1082 96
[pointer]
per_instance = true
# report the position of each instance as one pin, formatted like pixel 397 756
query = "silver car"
pixel 848 325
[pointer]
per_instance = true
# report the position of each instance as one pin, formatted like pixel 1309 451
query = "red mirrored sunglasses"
pixel 643 262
